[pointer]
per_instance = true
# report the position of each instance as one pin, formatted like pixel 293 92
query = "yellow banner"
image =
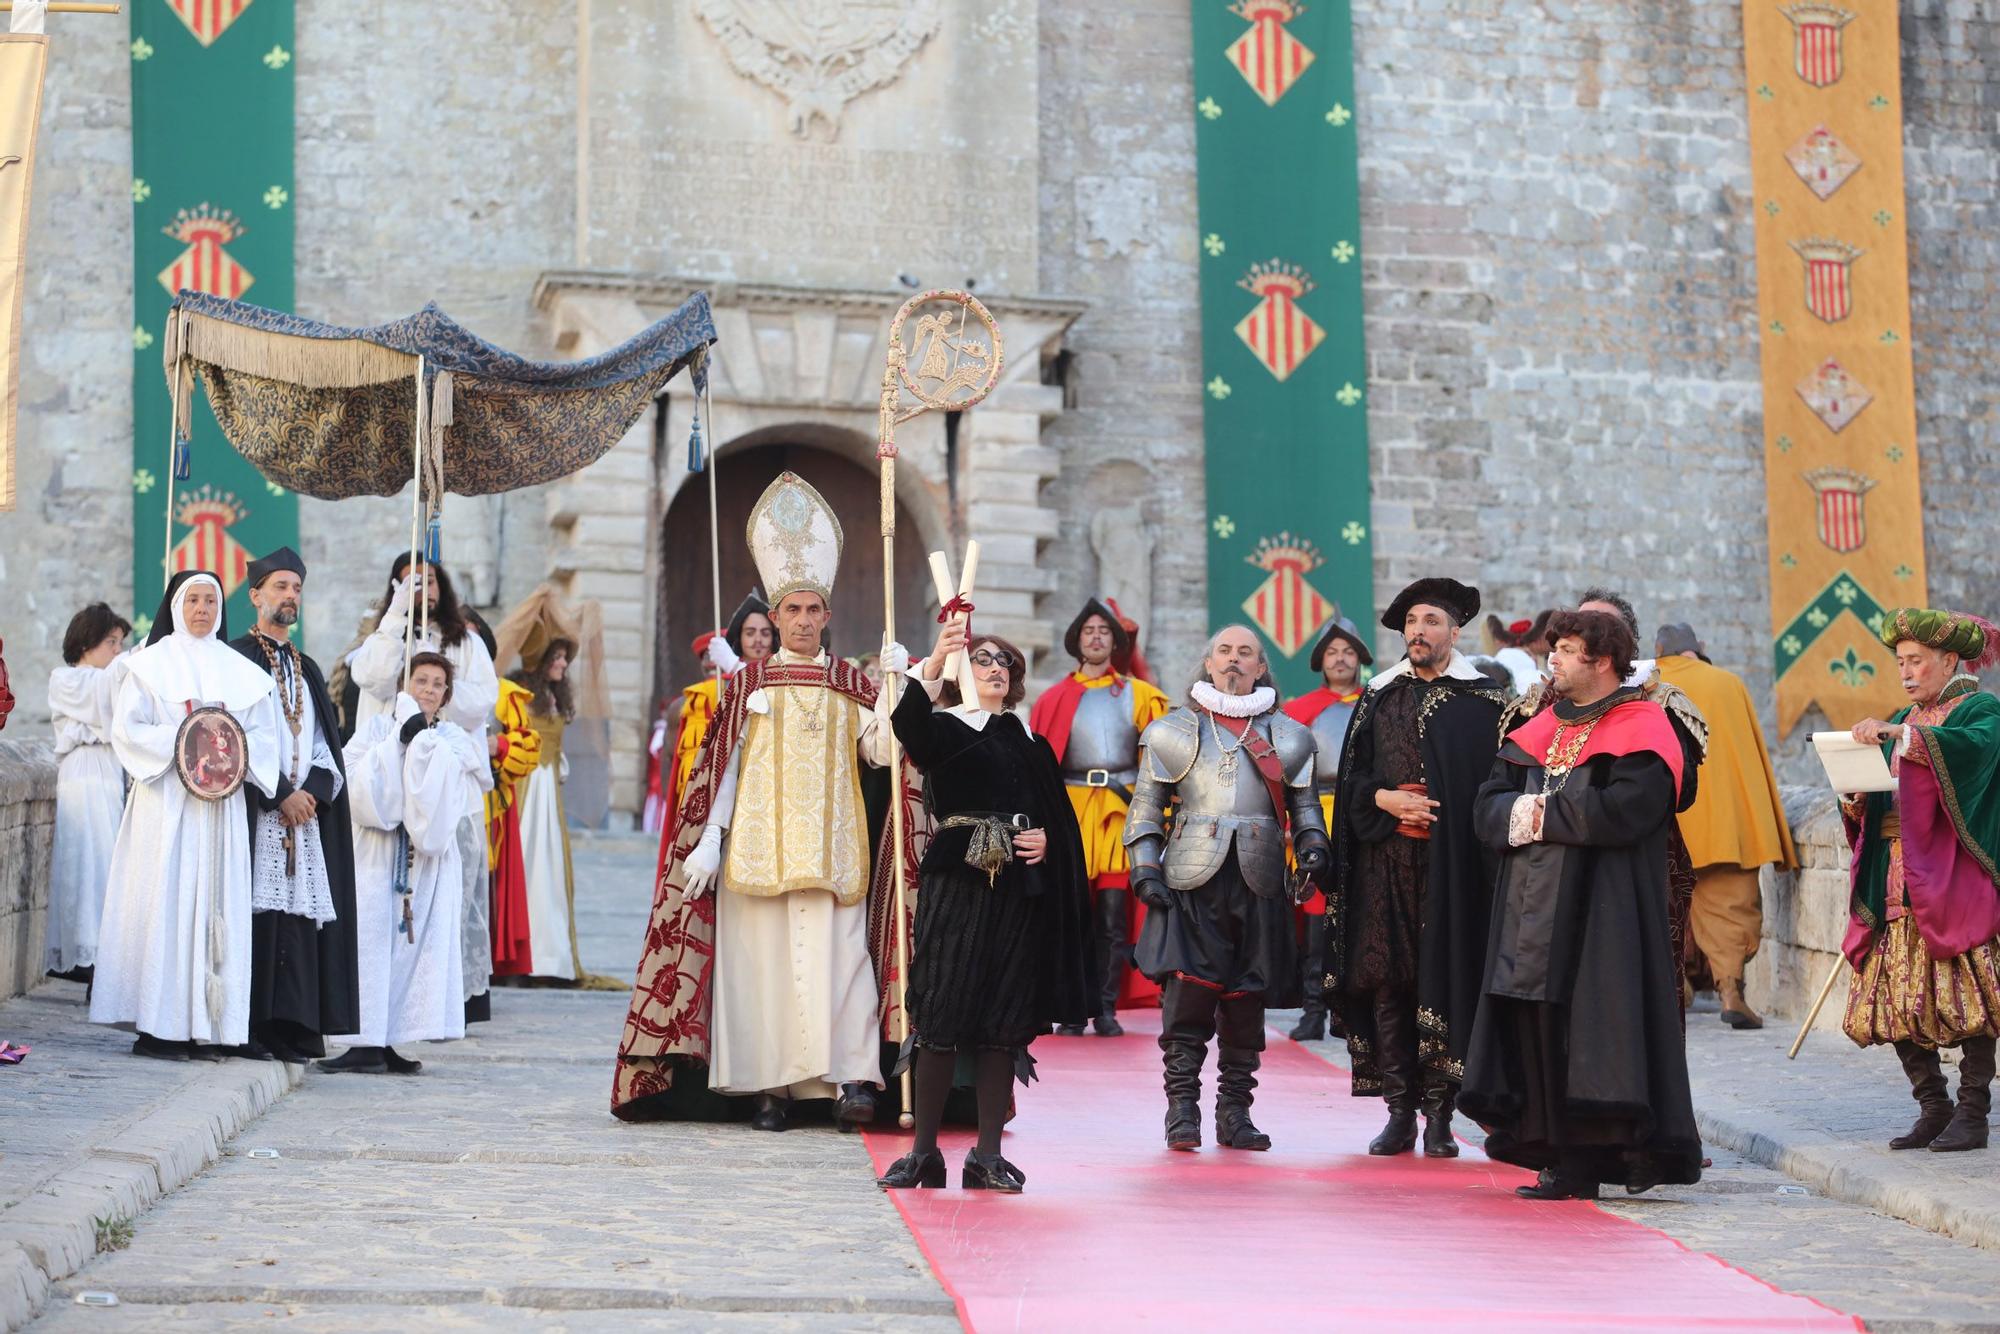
pixel 23 57
pixel 1833 292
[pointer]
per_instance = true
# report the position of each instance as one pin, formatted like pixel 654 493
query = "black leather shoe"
pixel 159 1049
pixel 1398 1136
pixel 1107 1026
pixel 1311 1026
pixel 356 1061
pixel 254 1050
pixel 856 1109
pixel 1069 1030
pixel 914 1171
pixel 1554 1186
pixel 400 1065
pixel 770 1113
pixel 1438 1139
pixel 994 1173
pixel 208 1051
pixel 1183 1124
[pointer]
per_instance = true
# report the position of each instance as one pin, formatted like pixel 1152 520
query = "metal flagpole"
pixel 954 373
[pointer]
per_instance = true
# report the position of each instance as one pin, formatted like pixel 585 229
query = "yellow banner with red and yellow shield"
pixel 23 58
pixel 1840 449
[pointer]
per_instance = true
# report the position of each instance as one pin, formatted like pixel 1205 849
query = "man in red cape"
pixel 1092 719
pixel 1577 1064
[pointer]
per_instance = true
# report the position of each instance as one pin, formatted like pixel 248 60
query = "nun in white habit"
pixel 173 950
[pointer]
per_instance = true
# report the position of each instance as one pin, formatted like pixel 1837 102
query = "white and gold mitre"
pixel 795 540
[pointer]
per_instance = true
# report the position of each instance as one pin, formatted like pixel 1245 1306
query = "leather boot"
pixel 1969 1127
pixel 1312 968
pixel 1439 1099
pixel 1114 956
pixel 1187 1022
pixel 1396 1058
pixel 1239 1027
pixel 1933 1095
pixel 1736 1011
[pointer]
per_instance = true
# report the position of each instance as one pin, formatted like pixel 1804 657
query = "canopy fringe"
pixel 315 363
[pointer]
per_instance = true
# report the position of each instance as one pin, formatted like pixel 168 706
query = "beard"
pixel 285 613
pixel 1421 653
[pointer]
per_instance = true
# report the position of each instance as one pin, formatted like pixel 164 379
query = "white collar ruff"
pixel 1257 701
pixel 1459 668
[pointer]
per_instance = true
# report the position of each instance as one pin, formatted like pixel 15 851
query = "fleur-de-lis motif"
pixel 1789 561
pixel 1209 108
pixel 1851 671
pixel 141 48
pixel 277 58
pixel 1339 116
pixel 141 340
pixel 1218 388
pixel 142 625
pixel 1874 622
pixel 1348 395
pixel 1904 572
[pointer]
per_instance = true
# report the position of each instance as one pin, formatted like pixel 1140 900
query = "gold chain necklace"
pixel 809 719
pixel 1563 753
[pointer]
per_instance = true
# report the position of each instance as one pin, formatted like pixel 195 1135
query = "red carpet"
pixel 1115 1232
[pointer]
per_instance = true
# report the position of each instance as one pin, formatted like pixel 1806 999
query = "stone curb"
pixel 47 1237
pixel 1853 1174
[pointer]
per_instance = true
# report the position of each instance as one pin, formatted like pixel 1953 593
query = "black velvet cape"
pixel 304 977
pixel 1004 768
pixel 1457 736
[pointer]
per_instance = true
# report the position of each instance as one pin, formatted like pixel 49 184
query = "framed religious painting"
pixel 211 754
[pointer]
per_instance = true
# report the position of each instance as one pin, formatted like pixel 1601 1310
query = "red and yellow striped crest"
pixel 1816 50
pixel 207 545
pixel 1285 607
pixel 1841 491
pixel 208 19
pixel 1276 331
pixel 205 266
pixel 1268 57
pixel 1829 276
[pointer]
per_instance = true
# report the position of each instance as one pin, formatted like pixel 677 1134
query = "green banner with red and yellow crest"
pixel 212 97
pixel 1843 489
pixel 1285 407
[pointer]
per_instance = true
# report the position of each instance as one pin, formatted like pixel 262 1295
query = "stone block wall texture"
pixel 1559 294
pixel 27 839
pixel 1805 915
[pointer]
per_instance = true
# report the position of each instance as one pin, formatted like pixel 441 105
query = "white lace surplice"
pixel 307 892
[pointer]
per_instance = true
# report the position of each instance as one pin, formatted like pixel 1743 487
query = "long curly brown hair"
pixel 551 698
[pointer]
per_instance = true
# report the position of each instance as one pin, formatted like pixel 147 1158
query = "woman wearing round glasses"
pixel 1001 947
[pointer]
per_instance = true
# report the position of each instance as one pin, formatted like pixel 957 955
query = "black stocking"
pixel 932 1077
pixel 994 1083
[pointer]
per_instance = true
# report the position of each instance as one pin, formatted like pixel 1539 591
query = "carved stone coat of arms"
pixel 820 54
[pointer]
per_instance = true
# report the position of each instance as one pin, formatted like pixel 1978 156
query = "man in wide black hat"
pixel 1406 934
pixel 303 982
pixel 1092 719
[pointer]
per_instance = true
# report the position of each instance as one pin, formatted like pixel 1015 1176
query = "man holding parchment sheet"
pixel 1924 921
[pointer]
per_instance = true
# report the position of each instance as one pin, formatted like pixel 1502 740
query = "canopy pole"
pixel 173 441
pixel 416 517
pixel 714 534
pixel 886 451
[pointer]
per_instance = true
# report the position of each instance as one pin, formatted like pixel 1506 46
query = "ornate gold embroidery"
pixel 798 822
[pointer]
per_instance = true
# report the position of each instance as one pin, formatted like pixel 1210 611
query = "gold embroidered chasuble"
pixel 799 821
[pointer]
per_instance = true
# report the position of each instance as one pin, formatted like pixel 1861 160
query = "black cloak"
pixel 1457 735
pixel 1577 1058
pixel 997 963
pixel 304 977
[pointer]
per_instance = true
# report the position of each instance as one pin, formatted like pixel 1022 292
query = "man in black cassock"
pixel 1576 1065
pixel 303 970
pixel 1406 927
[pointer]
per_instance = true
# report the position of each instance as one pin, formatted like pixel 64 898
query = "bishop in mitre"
pixel 757 961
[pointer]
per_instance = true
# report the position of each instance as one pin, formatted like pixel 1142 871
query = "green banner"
pixel 212 212
pixel 1285 373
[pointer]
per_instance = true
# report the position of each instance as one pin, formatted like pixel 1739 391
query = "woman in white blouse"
pixel 90 787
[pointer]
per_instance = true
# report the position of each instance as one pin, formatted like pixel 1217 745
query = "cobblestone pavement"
pixel 495 1191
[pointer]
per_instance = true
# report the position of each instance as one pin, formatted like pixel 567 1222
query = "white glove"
pixel 399 601
pixel 703 862
pixel 722 657
pixel 895 659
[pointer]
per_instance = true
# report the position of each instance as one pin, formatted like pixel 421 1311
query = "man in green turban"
pixel 1924 920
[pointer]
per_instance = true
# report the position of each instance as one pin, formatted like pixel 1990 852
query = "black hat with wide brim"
pixel 1120 640
pixel 1460 601
pixel 1340 628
